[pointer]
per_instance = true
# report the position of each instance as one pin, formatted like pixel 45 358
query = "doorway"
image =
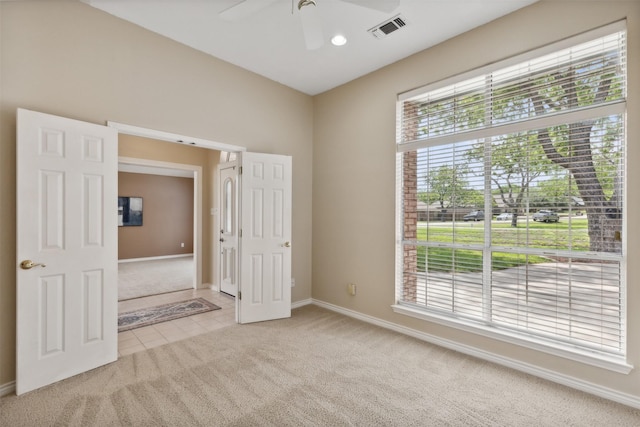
pixel 202 223
pixel 164 254
pixel 141 153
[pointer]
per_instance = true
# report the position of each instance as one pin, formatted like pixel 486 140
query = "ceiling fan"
pixel 307 9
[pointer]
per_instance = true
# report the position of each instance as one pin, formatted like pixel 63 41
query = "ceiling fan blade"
pixel 244 9
pixel 311 27
pixel 381 5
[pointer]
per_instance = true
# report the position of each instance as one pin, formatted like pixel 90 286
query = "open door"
pixel 265 238
pixel 66 248
pixel 229 229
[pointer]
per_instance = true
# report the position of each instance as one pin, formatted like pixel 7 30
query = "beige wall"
pixel 167 216
pixel 354 172
pixel 71 60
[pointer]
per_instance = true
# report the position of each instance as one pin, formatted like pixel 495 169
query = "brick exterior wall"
pixel 410 205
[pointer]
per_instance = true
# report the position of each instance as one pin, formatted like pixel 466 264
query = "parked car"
pixel 474 216
pixel 545 216
pixel 505 216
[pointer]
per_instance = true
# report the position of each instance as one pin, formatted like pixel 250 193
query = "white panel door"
pixel 265 238
pixel 229 230
pixel 66 248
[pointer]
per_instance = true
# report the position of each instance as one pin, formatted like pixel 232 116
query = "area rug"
pixel 162 313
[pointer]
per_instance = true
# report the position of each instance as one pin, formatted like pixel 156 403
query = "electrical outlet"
pixel 182 245
pixel 351 289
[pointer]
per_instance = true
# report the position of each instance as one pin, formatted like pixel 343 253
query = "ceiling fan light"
pixel 303 3
pixel 311 25
pixel 338 40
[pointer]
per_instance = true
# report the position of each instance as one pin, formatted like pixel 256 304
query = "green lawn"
pixel 552 236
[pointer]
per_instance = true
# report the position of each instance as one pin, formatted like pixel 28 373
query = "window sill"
pixel 611 363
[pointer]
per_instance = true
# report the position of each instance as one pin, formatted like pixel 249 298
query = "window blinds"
pixel 552 84
pixel 542 142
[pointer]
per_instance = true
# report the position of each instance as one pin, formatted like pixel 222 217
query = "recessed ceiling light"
pixel 338 40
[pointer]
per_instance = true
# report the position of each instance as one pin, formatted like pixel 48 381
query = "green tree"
pixel 516 161
pixel 447 186
pixel 557 192
pixel 588 150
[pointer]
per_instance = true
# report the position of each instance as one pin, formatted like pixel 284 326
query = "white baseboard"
pixel 7 388
pixel 566 380
pixel 154 258
pixel 301 303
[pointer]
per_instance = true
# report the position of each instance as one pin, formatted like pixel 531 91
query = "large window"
pixel 511 191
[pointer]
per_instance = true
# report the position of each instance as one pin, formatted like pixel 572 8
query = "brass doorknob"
pixel 27 264
pixel 287 244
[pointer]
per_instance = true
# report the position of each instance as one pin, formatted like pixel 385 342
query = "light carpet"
pixel 317 368
pixel 152 277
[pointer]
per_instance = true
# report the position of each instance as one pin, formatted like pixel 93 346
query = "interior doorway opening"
pixel 163 255
pixel 206 234
pixel 205 198
pixel 205 283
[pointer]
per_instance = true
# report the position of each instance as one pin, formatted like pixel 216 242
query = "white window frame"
pixel 606 361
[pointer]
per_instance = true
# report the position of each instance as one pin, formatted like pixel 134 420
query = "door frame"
pixel 190 141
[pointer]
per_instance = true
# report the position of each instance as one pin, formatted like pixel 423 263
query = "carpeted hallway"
pixel 317 368
pixel 152 277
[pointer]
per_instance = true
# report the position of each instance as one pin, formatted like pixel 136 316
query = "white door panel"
pixel 66 220
pixel 265 238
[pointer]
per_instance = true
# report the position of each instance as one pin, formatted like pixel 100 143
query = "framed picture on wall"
pixel 129 211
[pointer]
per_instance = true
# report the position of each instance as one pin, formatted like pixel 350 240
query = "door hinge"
pixel 241 232
pixel 240 170
pixel 239 295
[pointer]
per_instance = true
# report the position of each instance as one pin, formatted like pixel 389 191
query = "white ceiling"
pixel 270 41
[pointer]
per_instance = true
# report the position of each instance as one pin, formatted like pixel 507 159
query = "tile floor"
pixel 141 339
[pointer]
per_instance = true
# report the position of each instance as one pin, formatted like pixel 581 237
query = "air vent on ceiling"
pixel 389 26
